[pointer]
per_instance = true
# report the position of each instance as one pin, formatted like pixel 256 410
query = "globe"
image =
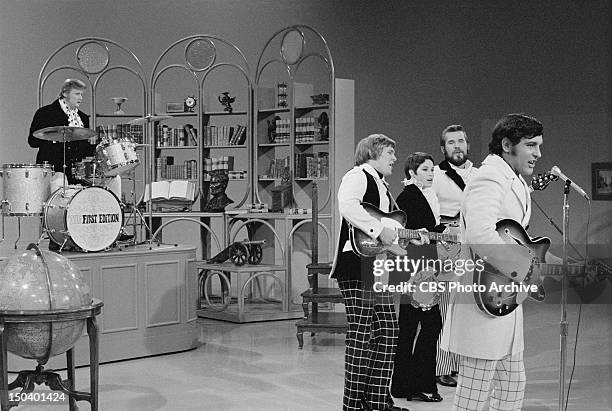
pixel 37 280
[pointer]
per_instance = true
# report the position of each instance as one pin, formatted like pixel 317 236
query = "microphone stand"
pixel 556 227
pixel 564 284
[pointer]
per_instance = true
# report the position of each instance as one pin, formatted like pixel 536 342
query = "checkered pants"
pixel 476 376
pixel 370 346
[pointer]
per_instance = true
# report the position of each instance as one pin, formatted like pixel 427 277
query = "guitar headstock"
pixel 541 181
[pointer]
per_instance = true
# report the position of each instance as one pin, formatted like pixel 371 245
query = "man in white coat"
pixel 491 348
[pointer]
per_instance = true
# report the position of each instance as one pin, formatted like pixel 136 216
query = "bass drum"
pixel 89 218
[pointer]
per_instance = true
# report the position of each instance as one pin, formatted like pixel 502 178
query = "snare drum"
pixel 90 218
pixel 25 188
pixel 86 169
pixel 116 156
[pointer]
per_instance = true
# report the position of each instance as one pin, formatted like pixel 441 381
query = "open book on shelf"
pixel 173 190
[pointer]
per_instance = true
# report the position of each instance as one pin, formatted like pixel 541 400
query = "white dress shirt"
pixel 448 192
pixel 350 195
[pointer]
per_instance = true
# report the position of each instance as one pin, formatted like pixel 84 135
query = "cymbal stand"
pixel 2 240
pixel 135 211
pixel 64 164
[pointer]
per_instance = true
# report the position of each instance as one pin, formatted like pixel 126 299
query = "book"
pixel 174 190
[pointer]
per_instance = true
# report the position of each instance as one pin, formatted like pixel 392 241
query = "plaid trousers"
pixel 370 346
pixel 507 376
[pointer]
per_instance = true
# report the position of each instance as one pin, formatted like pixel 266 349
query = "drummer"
pixel 64 111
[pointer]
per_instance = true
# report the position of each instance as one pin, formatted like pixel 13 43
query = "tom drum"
pixel 116 156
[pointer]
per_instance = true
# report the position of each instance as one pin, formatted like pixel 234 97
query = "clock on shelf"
pixel 189 104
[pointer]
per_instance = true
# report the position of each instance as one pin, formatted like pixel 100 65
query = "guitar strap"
pixel 452 174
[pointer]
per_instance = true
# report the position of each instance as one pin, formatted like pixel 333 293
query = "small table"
pixel 27 379
pixel 228 311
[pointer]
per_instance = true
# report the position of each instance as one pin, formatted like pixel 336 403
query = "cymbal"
pixel 148 119
pixel 64 133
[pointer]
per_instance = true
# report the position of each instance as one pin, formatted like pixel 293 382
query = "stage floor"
pixel 257 366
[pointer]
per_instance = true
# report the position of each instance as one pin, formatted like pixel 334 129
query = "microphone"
pixel 557 172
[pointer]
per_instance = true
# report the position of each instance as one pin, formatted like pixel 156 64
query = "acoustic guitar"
pixel 497 302
pixel 366 246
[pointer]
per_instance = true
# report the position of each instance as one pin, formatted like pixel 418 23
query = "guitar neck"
pixel 414 234
pixel 556 270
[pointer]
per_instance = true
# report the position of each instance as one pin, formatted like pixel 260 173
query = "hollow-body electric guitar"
pixel 366 246
pixel 497 302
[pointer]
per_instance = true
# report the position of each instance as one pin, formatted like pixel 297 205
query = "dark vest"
pixel 349 266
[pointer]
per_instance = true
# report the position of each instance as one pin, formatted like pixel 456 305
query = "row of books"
pixel 220 163
pixel 277 168
pixel 176 136
pixel 312 165
pixel 307 130
pixel 225 135
pixel 120 132
pixel 232 175
pixel 166 169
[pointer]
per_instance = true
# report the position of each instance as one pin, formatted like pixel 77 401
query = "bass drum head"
pixel 94 218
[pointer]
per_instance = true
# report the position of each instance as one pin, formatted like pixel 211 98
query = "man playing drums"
pixel 62 112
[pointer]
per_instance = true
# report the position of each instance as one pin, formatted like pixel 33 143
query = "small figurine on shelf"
pixel 272 129
pixel 226 101
pixel 218 198
pixel 323 121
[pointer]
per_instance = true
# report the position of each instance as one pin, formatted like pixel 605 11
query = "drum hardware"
pixel 64 134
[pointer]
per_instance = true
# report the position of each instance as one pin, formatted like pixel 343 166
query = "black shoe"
pixel 446 380
pixel 53 246
pixel 425 397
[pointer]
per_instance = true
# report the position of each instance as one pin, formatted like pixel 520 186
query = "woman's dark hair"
pixel 414 160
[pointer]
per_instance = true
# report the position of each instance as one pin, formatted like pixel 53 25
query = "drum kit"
pixel 84 218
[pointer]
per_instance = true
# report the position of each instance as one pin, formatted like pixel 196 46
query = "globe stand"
pixel 27 379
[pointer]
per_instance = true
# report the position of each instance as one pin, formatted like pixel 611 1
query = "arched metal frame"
pixel 199 76
pixel 194 220
pixel 94 77
pixel 321 51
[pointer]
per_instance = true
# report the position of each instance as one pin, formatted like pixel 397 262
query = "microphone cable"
pixel 569 384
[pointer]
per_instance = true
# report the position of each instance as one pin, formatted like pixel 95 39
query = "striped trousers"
pixel 504 379
pixel 370 346
pixel 446 362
